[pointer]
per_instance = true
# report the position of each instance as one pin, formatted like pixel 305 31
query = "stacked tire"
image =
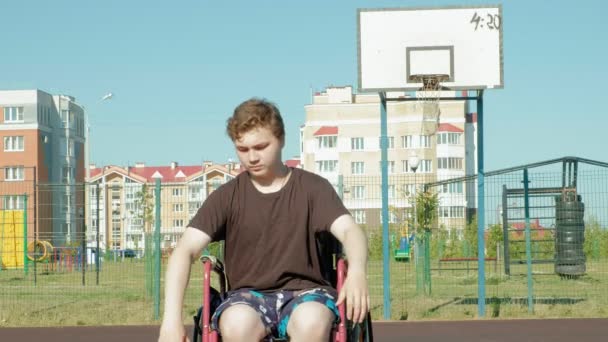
pixel 569 237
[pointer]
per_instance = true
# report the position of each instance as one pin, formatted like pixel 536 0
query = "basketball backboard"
pixel 464 43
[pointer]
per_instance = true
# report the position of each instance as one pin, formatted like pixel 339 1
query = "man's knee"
pixel 241 323
pixel 310 321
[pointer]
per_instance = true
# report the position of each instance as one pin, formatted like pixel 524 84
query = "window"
pixel 406 166
pixel 178 223
pixel 12 202
pixel 14 143
pixel 13 114
pixel 358 192
pixel 392 217
pixel 67 202
pixel 14 173
pixel 65 117
pixel 452 188
pixel 409 189
pixel 327 141
pixel 67 174
pixel 449 163
pixel 357 168
pixel 177 192
pixel 449 138
pixel 451 211
pixel 357 144
pixel 70 147
pixel 391 166
pixel 327 166
pixel 359 216
pixel 425 166
pixel 178 208
pixel 391 142
pixel 425 141
pixel 406 141
pixel 391 191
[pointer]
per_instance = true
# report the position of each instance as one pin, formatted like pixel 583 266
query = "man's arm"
pixel 355 290
pixel 189 247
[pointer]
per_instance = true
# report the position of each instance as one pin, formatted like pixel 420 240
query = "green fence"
pixel 102 261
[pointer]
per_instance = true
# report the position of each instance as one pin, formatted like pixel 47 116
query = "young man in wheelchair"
pixel 269 217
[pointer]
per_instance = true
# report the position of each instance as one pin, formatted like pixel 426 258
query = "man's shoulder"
pixel 308 178
pixel 231 185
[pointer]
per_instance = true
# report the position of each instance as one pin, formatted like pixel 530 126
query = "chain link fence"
pixel 92 254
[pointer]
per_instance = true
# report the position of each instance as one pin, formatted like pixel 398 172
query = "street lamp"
pixel 413 162
pixel 87 168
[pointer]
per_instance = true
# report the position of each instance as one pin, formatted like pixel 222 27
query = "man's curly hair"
pixel 255 113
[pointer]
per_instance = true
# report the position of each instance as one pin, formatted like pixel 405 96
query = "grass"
pixel 60 299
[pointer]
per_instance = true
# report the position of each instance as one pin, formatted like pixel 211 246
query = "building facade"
pixel 123 206
pixel 340 139
pixel 42 158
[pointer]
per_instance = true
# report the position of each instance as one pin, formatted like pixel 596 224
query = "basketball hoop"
pixel 428 100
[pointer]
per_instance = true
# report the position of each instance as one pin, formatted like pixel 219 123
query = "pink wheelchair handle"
pixel 341 270
pixel 206 299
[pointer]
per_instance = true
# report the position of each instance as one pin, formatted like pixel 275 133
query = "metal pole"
pixel 97 250
pixel 481 277
pixel 83 255
pixel 25 263
pixel 385 237
pixel 35 209
pixel 528 242
pixel 505 230
pixel 157 250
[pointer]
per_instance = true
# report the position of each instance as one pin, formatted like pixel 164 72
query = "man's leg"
pixel 241 323
pixel 310 321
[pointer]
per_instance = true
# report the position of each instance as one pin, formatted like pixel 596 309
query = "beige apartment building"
pixel 126 198
pixel 341 137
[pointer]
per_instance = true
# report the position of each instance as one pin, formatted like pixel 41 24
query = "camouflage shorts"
pixel 275 308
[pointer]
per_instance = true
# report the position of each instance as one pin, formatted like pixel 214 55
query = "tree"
pixel 427 203
pixel 145 206
pixel 495 236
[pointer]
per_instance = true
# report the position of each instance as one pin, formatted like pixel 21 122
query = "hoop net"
pixel 428 100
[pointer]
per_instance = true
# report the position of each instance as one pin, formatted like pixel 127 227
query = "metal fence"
pixel 95 254
pixel 546 244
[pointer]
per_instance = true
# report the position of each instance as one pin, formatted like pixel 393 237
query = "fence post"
pixel 528 243
pixel 157 250
pixel 25 263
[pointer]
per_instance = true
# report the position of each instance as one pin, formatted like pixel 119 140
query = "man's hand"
pixel 355 293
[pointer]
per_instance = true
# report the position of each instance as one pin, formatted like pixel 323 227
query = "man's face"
pixel 259 151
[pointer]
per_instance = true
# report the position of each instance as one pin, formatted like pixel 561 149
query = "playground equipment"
pixel 403 252
pixel 568 232
pixel 12 237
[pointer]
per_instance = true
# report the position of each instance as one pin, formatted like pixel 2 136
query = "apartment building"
pixel 122 200
pixel 341 137
pixel 42 158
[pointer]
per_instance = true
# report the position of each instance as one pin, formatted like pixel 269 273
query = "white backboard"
pixel 462 42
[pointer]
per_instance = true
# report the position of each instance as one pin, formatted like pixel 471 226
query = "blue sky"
pixel 178 69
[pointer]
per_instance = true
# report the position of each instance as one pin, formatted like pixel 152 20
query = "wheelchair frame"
pixel 346 331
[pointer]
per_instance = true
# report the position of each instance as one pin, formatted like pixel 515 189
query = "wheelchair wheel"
pixel 197 332
pixel 361 332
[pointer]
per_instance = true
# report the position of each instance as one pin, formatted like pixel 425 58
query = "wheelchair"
pixel 334 268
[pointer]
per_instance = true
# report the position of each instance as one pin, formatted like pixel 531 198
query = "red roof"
pixel 176 174
pixel 327 130
pixel 169 174
pixel 293 163
pixel 446 127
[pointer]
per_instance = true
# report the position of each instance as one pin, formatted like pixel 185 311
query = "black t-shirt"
pixel 270 238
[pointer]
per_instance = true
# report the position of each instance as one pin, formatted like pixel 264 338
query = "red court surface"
pixel 558 330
